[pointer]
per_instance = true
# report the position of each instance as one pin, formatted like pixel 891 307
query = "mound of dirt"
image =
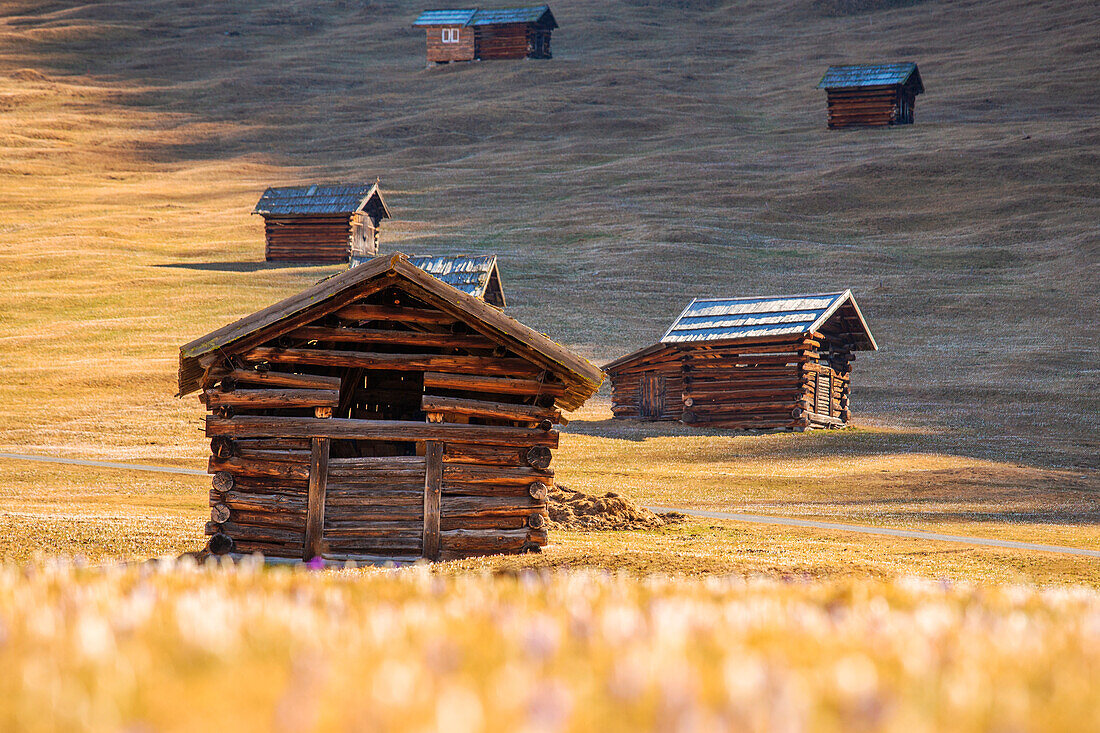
pixel 576 510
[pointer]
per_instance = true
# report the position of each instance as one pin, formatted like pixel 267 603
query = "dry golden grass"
pixel 179 648
pixel 671 150
pixel 668 152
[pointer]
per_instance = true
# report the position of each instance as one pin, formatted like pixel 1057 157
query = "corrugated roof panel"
pixel 866 75
pixel 730 318
pixel 458 16
pixel 316 199
pixel 682 337
pixel 470 274
pixel 509 15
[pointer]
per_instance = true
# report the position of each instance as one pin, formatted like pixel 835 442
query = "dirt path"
pixel 730 516
pixel 863 529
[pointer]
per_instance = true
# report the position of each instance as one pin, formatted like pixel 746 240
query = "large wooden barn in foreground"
pixel 321 223
pixel 469 34
pixel 871 94
pixel 748 363
pixel 381 413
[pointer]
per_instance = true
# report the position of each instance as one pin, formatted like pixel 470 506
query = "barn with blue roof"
pixel 748 363
pixel 322 223
pixel 468 34
pixel 871 94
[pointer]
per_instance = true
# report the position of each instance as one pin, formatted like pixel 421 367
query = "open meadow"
pixel 668 151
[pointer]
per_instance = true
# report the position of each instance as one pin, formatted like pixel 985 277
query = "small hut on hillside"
pixel 322 223
pixel 473 33
pixel 871 94
pixel 381 413
pixel 748 363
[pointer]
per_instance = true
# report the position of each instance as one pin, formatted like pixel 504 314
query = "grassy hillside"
pixel 669 150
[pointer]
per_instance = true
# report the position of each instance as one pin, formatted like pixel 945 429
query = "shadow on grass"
pixel 242 266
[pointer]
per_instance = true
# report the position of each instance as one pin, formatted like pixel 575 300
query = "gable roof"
pixel 725 319
pixel 319 199
pixel 870 75
pixel 475 275
pixel 581 377
pixel 490 16
pixel 459 16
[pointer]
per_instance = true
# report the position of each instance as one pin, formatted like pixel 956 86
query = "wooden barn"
pixel 322 223
pixel 381 414
pixel 748 363
pixel 871 94
pixel 475 275
pixel 473 33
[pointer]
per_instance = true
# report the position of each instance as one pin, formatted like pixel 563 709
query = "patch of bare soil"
pixel 576 510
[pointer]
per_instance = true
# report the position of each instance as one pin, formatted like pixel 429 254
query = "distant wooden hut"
pixel 381 413
pixel 472 33
pixel 871 94
pixel 322 223
pixel 748 363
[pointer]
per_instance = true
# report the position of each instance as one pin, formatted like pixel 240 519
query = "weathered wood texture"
pixel 377 431
pixel 649 388
pixel 460 49
pixel 488 42
pixel 761 384
pixel 870 106
pixel 315 238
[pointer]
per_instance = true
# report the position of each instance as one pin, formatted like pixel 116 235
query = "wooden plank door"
pixel 375 506
pixel 653 395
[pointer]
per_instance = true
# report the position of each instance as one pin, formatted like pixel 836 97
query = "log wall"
pixel 629 381
pixel 440 52
pixel 307 238
pixel 332 426
pixel 750 384
pixel 504 41
pixel 870 106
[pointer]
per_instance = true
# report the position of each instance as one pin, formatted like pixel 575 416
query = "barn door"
pixel 374 506
pixel 653 395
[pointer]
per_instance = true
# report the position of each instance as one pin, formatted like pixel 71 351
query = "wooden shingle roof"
pixel 581 378
pixel 319 199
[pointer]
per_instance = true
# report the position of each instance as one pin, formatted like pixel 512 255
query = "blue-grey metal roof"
pixel 511 15
pixel 490 16
pixel 869 75
pixel 475 275
pixel 723 319
pixel 446 17
pixel 315 199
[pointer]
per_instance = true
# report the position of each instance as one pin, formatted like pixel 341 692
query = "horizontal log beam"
pixel 399 338
pixel 283 379
pixel 272 398
pixel 259 426
pixel 392 313
pixel 493 410
pixel 237 466
pixel 493 385
pixel 395 362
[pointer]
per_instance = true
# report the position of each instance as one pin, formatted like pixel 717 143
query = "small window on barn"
pixel 450 35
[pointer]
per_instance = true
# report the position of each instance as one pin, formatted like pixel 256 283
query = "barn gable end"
pixel 386 414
